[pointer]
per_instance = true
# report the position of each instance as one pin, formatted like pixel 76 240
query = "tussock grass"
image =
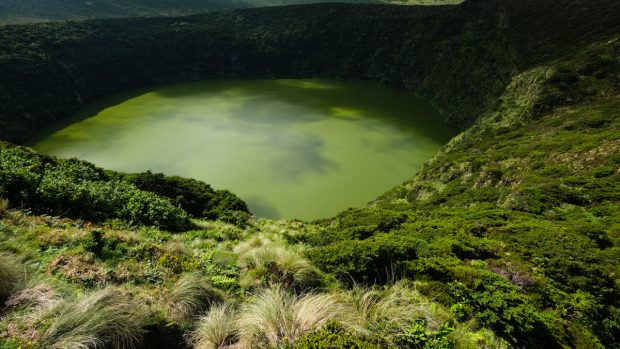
pixel 4 207
pixel 217 329
pixel 103 319
pixel 391 311
pixel 190 295
pixel 9 277
pixel 275 265
pixel 276 317
pixel 219 230
pixel 258 240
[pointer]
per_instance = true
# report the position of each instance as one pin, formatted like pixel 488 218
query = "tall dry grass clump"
pixel 276 317
pixel 391 310
pixel 103 319
pixel 190 295
pixel 217 329
pixel 9 277
pixel 273 265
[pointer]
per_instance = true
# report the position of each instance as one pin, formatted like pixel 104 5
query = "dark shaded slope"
pixel 27 11
pixel 460 58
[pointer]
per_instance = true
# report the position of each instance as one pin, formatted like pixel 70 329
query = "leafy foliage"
pixel 335 336
pixel 78 189
pixel 195 197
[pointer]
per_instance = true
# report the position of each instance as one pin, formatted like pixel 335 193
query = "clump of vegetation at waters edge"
pixel 78 189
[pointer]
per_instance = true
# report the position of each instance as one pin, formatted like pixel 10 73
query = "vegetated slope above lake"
pixel 25 11
pixel 511 228
pixel 50 70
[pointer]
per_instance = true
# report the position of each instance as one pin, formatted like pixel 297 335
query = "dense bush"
pixel 498 304
pixel 334 336
pixel 195 197
pixel 375 259
pixel 78 189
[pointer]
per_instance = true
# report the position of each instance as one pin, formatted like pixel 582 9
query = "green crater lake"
pixel 290 148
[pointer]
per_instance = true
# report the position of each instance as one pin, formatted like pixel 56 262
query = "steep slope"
pixel 530 193
pixel 24 11
pixel 50 70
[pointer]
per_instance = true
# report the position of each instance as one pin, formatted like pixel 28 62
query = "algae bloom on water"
pixel 291 148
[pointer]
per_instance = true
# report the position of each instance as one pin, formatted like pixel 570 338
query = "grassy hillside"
pixel 507 238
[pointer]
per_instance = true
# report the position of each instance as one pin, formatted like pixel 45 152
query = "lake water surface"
pixel 290 148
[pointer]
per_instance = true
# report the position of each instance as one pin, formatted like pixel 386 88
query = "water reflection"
pixel 291 148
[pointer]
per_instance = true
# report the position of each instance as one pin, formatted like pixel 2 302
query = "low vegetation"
pixel 9 276
pixel 78 189
pixel 217 329
pixel 190 296
pixel 106 318
pixel 275 318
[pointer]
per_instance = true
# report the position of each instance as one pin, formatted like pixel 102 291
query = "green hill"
pixel 508 237
pixel 25 11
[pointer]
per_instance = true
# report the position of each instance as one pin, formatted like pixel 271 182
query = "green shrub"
pixel 355 224
pixel 418 337
pixel 195 197
pixel 498 304
pixel 372 260
pixel 237 218
pixel 334 336
pixel 19 174
pixel 78 189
